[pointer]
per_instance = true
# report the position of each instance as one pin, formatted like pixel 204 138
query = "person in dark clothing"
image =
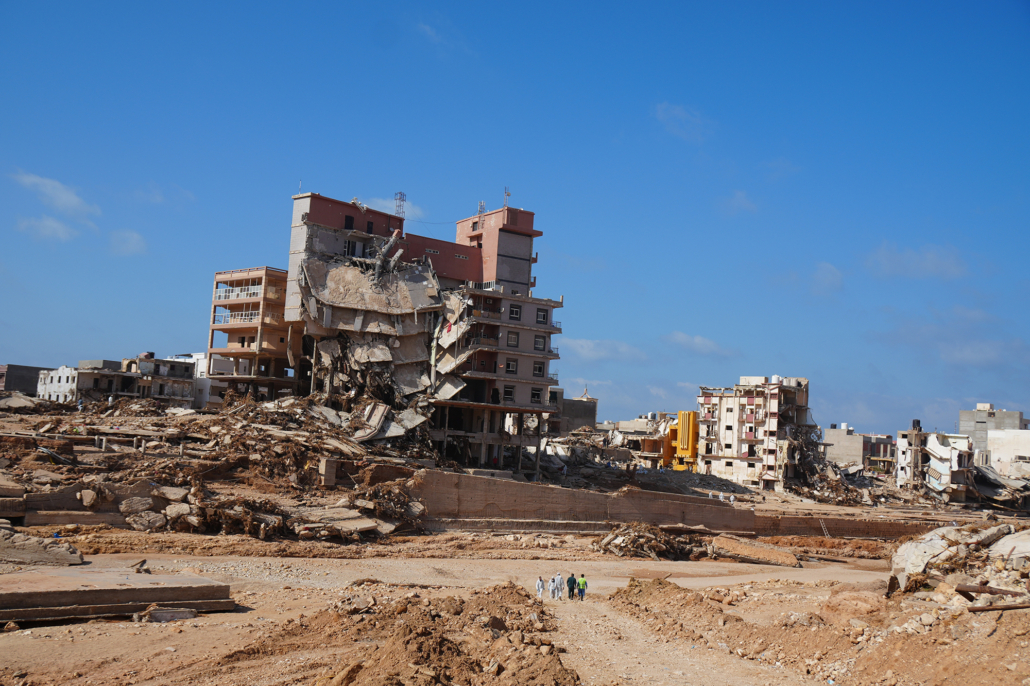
pixel 572 586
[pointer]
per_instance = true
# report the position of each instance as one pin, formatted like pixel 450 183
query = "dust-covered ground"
pixel 440 618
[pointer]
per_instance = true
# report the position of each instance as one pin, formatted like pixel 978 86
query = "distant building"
pixel 756 433
pixel 942 463
pixel 976 423
pixel 1008 451
pixel 573 413
pixel 208 390
pixel 20 378
pixel 873 451
pixel 169 382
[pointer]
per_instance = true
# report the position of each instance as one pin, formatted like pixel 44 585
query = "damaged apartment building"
pixel 758 433
pixel 168 382
pixel 373 312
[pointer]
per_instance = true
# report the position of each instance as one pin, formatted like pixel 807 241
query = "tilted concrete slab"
pixel 65 593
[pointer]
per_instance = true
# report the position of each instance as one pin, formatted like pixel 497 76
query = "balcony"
pixel 237 293
pixel 251 317
pixel 485 339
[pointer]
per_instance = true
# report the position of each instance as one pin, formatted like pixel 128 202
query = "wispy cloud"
pixel 737 203
pixel 658 392
pixel 596 350
pixel 429 32
pixel 827 279
pixel 699 345
pixel 684 123
pixel 47 229
pixel 152 194
pixel 928 262
pixel 411 210
pixel 127 243
pixel 57 195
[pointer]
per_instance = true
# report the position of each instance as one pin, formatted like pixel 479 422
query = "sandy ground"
pixel 604 645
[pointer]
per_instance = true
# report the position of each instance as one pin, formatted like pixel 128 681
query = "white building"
pixel 1008 452
pixel 170 382
pixel 209 388
pixel 940 462
pixel 758 432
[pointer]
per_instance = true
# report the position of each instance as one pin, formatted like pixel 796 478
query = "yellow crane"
pixel 680 447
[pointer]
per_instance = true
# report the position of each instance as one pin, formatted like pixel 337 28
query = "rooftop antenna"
pixel 300 184
pixel 399 199
pixel 507 195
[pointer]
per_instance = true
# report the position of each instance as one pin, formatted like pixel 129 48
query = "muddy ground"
pixel 302 620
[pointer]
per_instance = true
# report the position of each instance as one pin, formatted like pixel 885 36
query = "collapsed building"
pixel 450 330
pixel 758 433
pixel 168 382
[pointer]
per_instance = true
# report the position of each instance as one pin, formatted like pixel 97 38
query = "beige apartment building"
pixel 249 332
pixel 756 433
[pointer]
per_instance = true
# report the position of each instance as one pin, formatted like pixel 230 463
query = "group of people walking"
pixel 556 586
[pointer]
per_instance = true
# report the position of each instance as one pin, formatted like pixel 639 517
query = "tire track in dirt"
pixel 608 647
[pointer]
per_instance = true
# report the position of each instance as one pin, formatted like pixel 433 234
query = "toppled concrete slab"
pixel 751 551
pixel 10 489
pixel 20 549
pixel 67 593
pixel 80 517
pixel 1014 549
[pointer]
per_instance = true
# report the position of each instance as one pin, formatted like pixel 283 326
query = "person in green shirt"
pixel 572 586
pixel 582 585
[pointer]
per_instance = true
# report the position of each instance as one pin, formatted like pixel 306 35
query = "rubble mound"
pixel 391 636
pixel 20 549
pixel 638 539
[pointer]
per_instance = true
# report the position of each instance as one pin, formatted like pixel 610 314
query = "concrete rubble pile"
pixel 644 540
pixel 966 568
pixel 20 404
pixel 16 548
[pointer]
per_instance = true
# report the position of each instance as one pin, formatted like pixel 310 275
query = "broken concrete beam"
pixel 146 520
pixel 12 507
pixel 169 614
pixel 754 552
pixel 131 506
pixel 171 493
pixel 10 489
pixel 18 548
pixel 81 517
pixel 65 593
pixel 177 510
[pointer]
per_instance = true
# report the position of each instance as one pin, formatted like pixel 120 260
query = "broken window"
pixel 348 223
pixel 535 395
pixel 539 343
pixel 538 369
pixel 541 315
pixel 515 312
pixel 513 339
pixel 511 366
pixel 509 394
pixel 369 227
pixel 552 398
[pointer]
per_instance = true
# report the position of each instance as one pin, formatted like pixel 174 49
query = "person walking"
pixel 582 585
pixel 559 586
pixel 550 587
pixel 572 586
pixel 540 587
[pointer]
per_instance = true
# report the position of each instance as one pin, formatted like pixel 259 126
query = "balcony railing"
pixel 485 339
pixel 237 293
pixel 555 325
pixel 246 317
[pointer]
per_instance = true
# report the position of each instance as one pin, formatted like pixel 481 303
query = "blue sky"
pixel 833 190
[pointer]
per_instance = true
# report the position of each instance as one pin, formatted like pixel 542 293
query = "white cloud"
pixel 827 279
pixel 686 124
pixel 737 203
pixel 699 345
pixel 658 392
pixel 930 261
pixel 152 194
pixel 388 205
pixel 430 33
pixel 126 243
pixel 595 350
pixel 57 195
pixel 47 228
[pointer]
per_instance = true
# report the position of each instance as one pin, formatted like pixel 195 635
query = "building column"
pixel 536 470
pixel 520 425
pixel 446 421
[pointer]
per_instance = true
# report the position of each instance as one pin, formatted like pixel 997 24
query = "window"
pixel 475 227
pixel 96 383
pixel 541 316
pixel 729 427
pixel 539 343
pixel 513 339
pixel 535 395
pixel 729 447
pixel 348 223
pixel 708 451
pixel 282 339
pixel 729 463
pixel 461 257
pixel 432 252
pixel 511 366
pixel 515 292
pixel 708 463
pixel 370 227
pixel 729 410
pixel 538 369
pixel 750 465
pixel 552 398
pixel 509 394
pixel 242 340
pixel 515 312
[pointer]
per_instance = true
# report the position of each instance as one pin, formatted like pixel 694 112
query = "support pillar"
pixel 446 422
pixel 536 470
pixel 521 429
